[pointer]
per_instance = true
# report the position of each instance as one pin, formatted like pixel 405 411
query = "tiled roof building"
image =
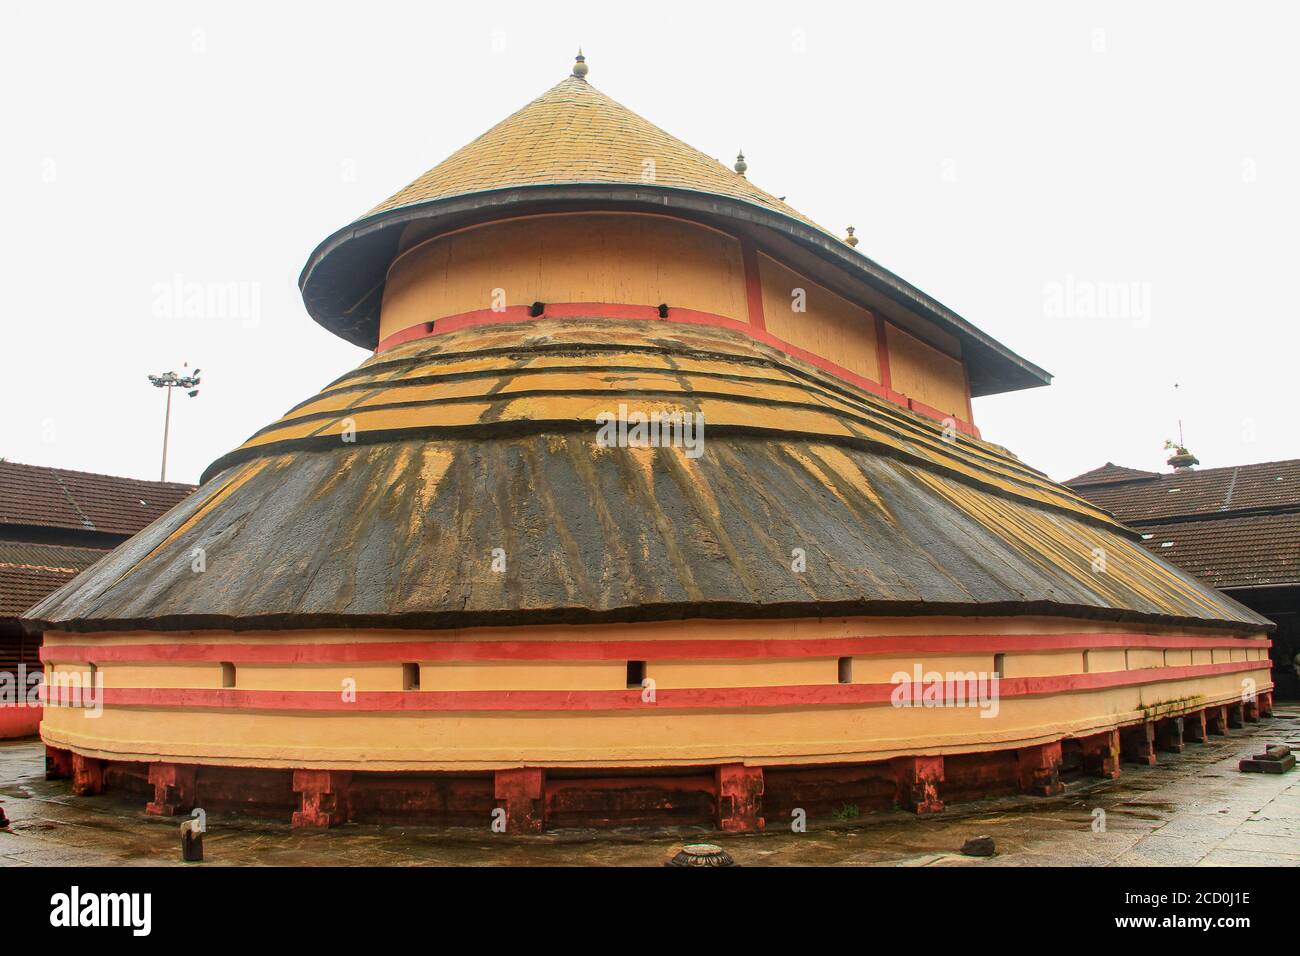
pixel 1238 528
pixel 54 524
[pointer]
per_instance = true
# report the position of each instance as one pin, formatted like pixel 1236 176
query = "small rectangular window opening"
pixel 635 674
pixel 227 674
pixel 1087 662
pixel 410 677
pixel 1000 665
pixel 846 670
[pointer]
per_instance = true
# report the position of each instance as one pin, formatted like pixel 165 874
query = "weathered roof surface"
pixel 574 133
pixel 38 496
pixel 28 572
pixel 380 502
pixel 1234 527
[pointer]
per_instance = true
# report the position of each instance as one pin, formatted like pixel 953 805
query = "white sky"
pixel 992 154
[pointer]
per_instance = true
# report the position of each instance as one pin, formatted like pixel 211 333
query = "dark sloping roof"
pixel 1109 472
pixel 38 496
pixel 28 572
pixel 380 503
pixel 1250 551
pixel 1271 485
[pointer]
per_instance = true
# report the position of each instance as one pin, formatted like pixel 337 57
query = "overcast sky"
pixel 1109 189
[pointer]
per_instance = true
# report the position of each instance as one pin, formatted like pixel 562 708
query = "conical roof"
pixel 576 148
pixel 574 133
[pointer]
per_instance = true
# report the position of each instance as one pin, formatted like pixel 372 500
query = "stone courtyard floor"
pixel 1188 810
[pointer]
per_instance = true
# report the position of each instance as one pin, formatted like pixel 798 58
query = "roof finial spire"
pixel 851 239
pixel 580 65
pixel 741 165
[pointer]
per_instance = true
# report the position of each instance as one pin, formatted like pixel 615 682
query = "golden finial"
pixel 851 239
pixel 580 65
pixel 741 165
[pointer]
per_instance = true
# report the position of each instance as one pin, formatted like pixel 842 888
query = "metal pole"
pixel 167 424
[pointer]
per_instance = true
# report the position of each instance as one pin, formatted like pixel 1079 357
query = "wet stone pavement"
pixel 1193 808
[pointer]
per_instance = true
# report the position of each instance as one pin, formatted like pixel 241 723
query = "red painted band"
pixel 882 353
pixel 693 698
pixel 602 310
pixel 753 285
pixel 471 650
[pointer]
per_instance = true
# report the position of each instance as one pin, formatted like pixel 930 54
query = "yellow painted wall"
pixel 832 327
pixel 449 741
pixel 581 257
pixel 922 372
pixel 1101 660
pixel 646 736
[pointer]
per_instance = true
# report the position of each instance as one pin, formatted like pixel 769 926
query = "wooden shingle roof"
pixel 574 133
pixel 378 502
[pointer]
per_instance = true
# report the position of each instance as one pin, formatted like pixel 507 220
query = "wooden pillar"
pixel 174 789
pixel 1266 703
pixel 1194 727
pixel 58 763
pixel 1234 715
pixel 521 792
pixel 87 775
pixel 1137 743
pixel 1101 754
pixel 1216 720
pixel 1040 769
pixel 1169 735
pixel 917 781
pixel 1250 710
pixel 740 798
pixel 324 797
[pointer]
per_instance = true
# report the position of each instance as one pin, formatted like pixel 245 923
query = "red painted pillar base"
pixel 324 797
pixel 1169 735
pixel 173 789
pixel 1101 755
pixel 87 775
pixel 521 792
pixel 58 763
pixel 1040 769
pixel 1216 720
pixel 918 780
pixel 1194 727
pixel 1266 703
pixel 1234 715
pixel 1137 743
pixel 1250 710
pixel 740 798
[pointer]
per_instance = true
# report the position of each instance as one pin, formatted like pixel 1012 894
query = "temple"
pixel 432 592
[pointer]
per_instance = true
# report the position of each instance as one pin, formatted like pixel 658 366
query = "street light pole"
pixel 167 427
pixel 170 380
